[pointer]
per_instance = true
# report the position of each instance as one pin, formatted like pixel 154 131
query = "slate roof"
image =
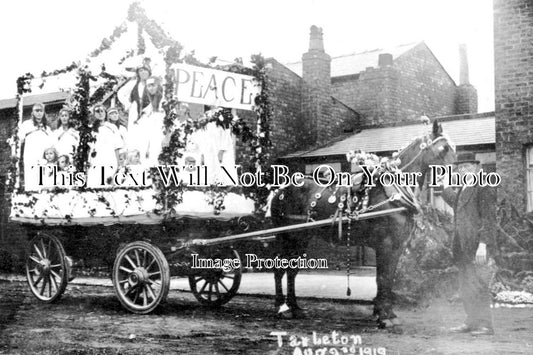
pixel 479 129
pixel 32 99
pixel 355 63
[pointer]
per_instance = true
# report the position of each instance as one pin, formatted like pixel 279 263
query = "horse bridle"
pixel 423 146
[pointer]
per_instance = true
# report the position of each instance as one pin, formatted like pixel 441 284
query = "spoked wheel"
pixel 215 287
pixel 46 268
pixel 141 277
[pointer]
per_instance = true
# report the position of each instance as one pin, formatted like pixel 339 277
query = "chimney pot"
pixel 316 42
pixel 384 59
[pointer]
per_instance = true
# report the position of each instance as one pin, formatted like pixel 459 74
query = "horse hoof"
pixel 396 329
pixel 299 312
pixel 396 322
pixel 286 315
pixel 393 325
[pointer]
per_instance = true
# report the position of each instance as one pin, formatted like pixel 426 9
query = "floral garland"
pixel 67 69
pixel 80 118
pixel 159 36
pixel 141 45
pixel 23 87
pixel 107 42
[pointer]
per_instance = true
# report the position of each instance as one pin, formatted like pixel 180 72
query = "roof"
pixel 355 63
pixel 376 140
pixel 33 99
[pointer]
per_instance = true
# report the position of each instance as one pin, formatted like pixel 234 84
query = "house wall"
pixel 513 55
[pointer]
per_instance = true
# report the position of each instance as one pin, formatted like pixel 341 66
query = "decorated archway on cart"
pixel 155 193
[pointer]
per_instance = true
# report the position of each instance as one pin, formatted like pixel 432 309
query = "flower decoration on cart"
pixel 92 89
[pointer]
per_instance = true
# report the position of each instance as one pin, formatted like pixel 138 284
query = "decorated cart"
pixel 180 183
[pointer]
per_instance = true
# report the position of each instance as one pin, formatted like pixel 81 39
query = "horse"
pixel 387 235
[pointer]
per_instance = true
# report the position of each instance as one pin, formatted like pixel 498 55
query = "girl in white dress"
pixel 105 149
pixel 66 137
pixel 154 116
pixel 35 136
pixel 134 96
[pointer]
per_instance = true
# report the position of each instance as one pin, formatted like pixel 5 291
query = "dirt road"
pixel 90 320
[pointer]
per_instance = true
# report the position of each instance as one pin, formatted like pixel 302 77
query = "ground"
pixel 90 320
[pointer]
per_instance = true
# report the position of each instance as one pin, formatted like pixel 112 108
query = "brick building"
pixel 398 84
pixel 390 89
pixel 513 49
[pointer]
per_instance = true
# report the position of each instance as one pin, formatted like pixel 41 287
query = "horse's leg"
pixel 388 252
pixel 291 289
pixel 301 243
pixel 278 276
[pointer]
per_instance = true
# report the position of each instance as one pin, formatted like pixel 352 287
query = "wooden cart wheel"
pixel 215 287
pixel 46 268
pixel 141 277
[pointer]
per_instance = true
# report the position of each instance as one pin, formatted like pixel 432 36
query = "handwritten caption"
pixel 333 343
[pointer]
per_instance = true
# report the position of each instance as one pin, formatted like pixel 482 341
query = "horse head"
pixel 434 148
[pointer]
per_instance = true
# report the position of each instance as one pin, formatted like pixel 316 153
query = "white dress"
pixel 156 137
pixel 146 135
pixel 219 141
pixel 108 140
pixel 66 141
pixel 36 140
pixel 139 129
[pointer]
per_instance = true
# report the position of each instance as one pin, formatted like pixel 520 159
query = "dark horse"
pixel 386 235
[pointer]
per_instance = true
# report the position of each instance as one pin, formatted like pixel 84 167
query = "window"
pixel 529 177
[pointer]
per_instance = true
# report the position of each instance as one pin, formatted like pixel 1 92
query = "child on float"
pixel 49 161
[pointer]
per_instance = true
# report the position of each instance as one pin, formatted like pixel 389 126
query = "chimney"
pixel 316 74
pixel 463 65
pixel 466 94
pixel 384 59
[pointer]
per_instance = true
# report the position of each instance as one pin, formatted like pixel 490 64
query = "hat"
pixel 112 109
pixel 466 157
pixel 151 80
pixel 145 65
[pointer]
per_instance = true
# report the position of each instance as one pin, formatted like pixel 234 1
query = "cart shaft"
pixel 295 227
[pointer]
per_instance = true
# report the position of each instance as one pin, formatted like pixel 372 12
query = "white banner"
pixel 215 87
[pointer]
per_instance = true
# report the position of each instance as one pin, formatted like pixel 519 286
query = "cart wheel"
pixel 46 268
pixel 141 277
pixel 215 287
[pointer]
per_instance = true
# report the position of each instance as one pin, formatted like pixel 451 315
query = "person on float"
pixel 146 133
pixel 134 97
pixel 105 149
pixel 113 118
pixel 49 160
pixel 64 163
pixel 34 136
pixel 219 149
pixel 183 113
pixel 153 116
pixel 66 137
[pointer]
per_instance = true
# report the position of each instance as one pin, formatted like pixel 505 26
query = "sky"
pixel 39 35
